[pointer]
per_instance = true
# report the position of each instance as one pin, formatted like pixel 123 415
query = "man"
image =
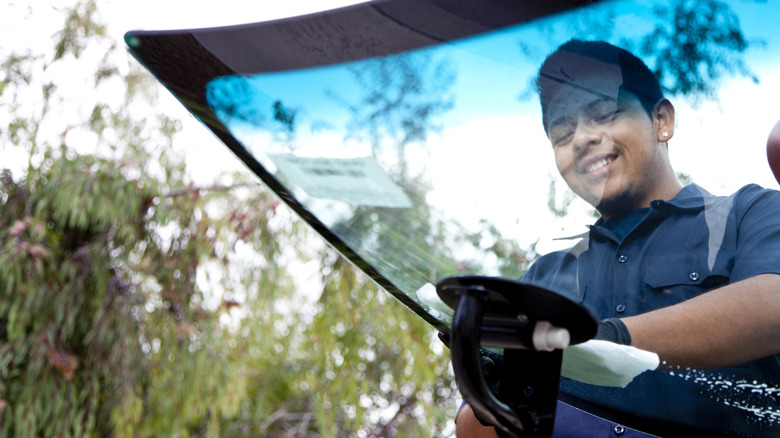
pixel 674 270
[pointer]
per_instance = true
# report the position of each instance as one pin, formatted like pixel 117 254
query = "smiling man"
pixel 606 131
pixel 675 270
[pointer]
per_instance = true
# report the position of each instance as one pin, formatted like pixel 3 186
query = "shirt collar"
pixel 692 198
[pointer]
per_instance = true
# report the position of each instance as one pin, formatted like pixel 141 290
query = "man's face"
pixel 605 145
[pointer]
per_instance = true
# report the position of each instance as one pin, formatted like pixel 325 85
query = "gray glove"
pixel 613 330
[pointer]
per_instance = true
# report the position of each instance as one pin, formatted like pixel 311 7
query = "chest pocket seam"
pixel 685 269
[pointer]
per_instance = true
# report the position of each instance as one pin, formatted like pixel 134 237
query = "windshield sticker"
pixel 357 181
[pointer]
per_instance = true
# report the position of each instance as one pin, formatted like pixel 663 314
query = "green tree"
pixel 695 45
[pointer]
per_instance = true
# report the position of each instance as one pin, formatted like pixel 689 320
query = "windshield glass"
pixel 439 162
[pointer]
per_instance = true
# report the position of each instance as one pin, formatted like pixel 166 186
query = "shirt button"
pixel 620 308
pixel 622 258
pixel 693 276
pixel 619 430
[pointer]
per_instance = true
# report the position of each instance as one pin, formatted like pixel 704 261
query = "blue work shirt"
pixel 661 256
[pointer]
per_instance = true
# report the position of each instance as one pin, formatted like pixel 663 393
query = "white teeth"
pixel 598 165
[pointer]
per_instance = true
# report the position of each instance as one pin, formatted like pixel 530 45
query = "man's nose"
pixel 586 135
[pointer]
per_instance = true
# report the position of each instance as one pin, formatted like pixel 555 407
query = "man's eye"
pixel 606 117
pixel 561 138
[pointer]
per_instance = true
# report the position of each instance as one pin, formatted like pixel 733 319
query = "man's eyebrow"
pixel 595 104
pixel 560 120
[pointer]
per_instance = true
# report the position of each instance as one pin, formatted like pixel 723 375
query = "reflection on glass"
pixel 436 163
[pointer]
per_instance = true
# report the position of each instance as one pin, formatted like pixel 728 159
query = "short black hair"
pixel 637 77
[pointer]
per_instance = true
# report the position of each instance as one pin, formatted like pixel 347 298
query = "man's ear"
pixel 663 120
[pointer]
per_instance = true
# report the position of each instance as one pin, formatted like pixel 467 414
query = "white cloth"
pixel 606 363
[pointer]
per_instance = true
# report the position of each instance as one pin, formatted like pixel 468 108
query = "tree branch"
pixel 215 188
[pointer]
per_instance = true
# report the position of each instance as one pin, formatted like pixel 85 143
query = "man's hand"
pixel 613 330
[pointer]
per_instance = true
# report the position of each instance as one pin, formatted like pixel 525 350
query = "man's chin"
pixel 612 205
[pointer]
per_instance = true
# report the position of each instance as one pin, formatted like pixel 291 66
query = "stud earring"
pixel 665 134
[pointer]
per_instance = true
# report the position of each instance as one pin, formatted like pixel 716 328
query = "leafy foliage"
pixel 135 302
pixel 403 95
pixel 91 295
pixel 701 43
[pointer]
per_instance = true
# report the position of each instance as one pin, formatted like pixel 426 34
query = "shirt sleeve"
pixel 758 233
pixel 557 272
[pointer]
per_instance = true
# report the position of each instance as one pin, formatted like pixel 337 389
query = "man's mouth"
pixel 593 167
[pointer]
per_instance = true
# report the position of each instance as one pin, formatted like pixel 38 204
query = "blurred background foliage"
pixel 136 301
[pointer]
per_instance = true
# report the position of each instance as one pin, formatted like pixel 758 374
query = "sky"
pixel 203 13
pixel 121 16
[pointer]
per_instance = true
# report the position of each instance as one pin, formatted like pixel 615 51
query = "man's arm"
pixel 731 325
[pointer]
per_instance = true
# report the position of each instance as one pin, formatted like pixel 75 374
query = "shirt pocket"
pixel 681 276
